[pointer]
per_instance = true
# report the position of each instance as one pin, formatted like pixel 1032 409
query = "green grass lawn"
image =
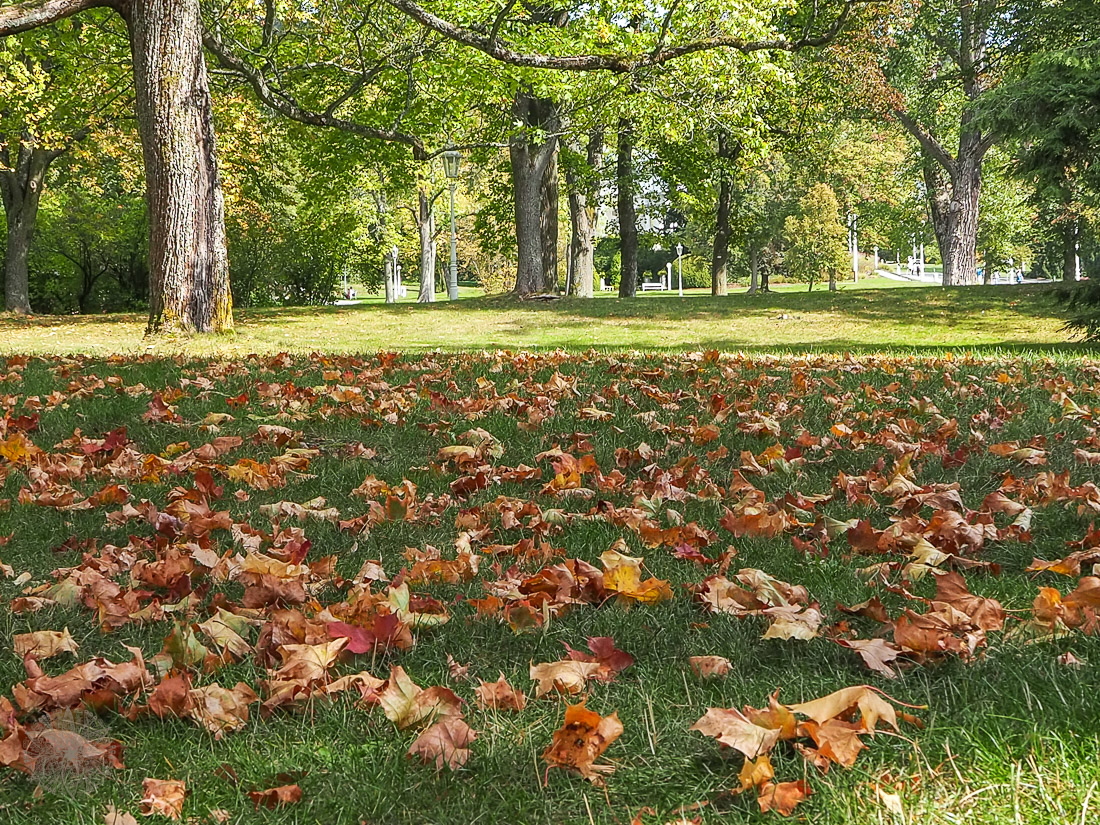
pixel 877 315
pixel 1008 735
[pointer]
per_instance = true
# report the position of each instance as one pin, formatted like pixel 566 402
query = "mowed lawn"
pixel 877 315
pixel 470 501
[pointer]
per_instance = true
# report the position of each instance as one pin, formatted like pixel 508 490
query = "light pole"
pixel 452 163
pixel 668 275
pixel 680 266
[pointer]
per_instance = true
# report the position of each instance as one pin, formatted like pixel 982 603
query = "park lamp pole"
pixel 680 265
pixel 452 163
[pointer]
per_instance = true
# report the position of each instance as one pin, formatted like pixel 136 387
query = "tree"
pixel 53 99
pixel 188 265
pixel 937 72
pixel 815 238
pixel 582 181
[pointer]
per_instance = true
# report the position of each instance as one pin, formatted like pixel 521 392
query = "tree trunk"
pixel 583 187
pixel 188 264
pixel 549 202
pixel 425 225
pixel 1069 251
pixel 529 163
pixel 754 270
pixel 21 187
pixel 960 258
pixel 719 262
pixel 628 216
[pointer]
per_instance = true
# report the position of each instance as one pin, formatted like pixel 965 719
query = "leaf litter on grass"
pixel 701 447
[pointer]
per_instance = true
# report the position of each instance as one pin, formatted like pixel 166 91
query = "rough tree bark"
pixel 583 188
pixel 754 270
pixel 549 203
pixel 21 188
pixel 627 213
pixel 1069 250
pixel 719 262
pixel 188 266
pixel 530 158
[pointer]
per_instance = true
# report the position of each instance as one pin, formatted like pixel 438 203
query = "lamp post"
pixel 452 163
pixel 680 266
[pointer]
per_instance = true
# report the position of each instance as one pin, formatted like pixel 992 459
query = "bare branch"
pixel 34 13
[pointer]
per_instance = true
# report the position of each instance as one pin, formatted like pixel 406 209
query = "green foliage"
pixel 815 237
pixel 91 245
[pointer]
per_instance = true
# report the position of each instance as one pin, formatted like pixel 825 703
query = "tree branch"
pixel 491 46
pixel 495 30
pixel 930 145
pixel 34 13
pixel 284 105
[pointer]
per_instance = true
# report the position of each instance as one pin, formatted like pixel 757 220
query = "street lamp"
pixel 680 265
pixel 452 165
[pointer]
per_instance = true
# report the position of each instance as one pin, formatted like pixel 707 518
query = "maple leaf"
pixel 163 796
pixel 44 644
pixel 707 667
pixel 612 661
pixel 755 773
pixel 870 703
pixel 219 710
pixel 406 704
pixel 567 676
pixel 171 696
pixel 735 730
pixel 877 654
pixel 276 797
pixel 581 740
pixel 782 797
pixel 623 577
pixel 500 695
pixel 447 742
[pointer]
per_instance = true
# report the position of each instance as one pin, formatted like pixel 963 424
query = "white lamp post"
pixel 680 266
pixel 452 164
pixel 668 275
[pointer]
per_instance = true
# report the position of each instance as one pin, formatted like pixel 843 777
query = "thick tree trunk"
pixel 425 225
pixel 582 247
pixel 754 270
pixel 583 188
pixel 549 203
pixel 21 188
pixel 530 162
pixel 719 262
pixel 960 257
pixel 188 265
pixel 628 216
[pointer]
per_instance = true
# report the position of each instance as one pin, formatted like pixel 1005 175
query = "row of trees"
pixel 739 132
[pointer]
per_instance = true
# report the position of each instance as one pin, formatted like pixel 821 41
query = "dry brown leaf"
pixel 581 740
pixel 276 797
pixel 44 644
pixel 163 796
pixel 500 695
pixel 707 667
pixel 567 676
pixel 447 742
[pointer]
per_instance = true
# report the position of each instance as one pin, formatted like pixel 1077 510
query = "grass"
pixel 877 315
pixel 1010 737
